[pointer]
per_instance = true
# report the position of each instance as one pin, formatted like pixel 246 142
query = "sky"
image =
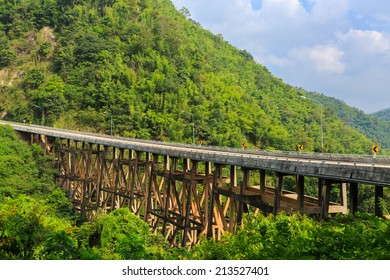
pixel 340 48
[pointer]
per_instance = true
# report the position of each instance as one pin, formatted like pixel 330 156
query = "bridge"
pixel 185 191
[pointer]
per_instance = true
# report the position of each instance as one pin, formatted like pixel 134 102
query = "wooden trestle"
pixel 181 198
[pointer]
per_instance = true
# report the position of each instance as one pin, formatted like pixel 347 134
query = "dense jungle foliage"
pixel 375 126
pixel 37 222
pixel 383 114
pixel 295 237
pixel 141 68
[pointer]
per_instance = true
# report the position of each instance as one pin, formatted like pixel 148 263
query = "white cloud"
pixel 369 41
pixel 338 47
pixel 329 10
pixel 321 58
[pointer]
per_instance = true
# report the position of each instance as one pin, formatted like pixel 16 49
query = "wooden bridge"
pixel 185 191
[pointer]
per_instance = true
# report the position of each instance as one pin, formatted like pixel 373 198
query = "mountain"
pixel 383 114
pixel 140 68
pixel 375 126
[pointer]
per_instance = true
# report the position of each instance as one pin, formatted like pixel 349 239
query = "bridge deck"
pixel 359 169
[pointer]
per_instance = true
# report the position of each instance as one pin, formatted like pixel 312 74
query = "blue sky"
pixel 340 48
pixel 256 4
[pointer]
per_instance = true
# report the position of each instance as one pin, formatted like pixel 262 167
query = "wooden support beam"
pixel 166 163
pixel 168 188
pixel 301 192
pixel 244 184
pixel 278 192
pixel 207 195
pixel 152 180
pixel 262 182
pixel 59 159
pixel 132 183
pixel 190 187
pixel 321 183
pixel 186 165
pixel 344 197
pixel 233 203
pixel 378 198
pixel 68 169
pixel 325 198
pixel 84 195
pixel 216 175
pixel 100 193
pixel 116 164
pixel 353 197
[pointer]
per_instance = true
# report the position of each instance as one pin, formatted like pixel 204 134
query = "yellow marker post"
pixel 375 150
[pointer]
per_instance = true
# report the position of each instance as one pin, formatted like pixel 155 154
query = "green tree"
pixel 28 230
pixel 34 78
pixel 293 237
pixel 49 98
pixel 120 235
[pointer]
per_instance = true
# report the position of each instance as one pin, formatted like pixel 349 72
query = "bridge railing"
pixel 274 153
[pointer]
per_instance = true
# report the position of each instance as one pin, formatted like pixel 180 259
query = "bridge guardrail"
pixel 292 154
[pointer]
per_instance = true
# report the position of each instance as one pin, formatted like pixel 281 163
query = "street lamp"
pixel 193 126
pixel 322 120
pixel 43 114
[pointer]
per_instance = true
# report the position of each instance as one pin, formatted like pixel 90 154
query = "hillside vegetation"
pixel 143 69
pixel 375 126
pixel 383 114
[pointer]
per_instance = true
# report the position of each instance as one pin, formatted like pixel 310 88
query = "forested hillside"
pixel 383 114
pixel 375 126
pixel 140 68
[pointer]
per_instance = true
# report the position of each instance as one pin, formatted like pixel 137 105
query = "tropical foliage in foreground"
pixel 29 230
pixel 295 237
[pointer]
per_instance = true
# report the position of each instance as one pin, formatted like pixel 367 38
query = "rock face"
pixel 27 52
pixel 48 35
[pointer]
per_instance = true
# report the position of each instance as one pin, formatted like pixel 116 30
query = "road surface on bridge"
pixel 350 168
